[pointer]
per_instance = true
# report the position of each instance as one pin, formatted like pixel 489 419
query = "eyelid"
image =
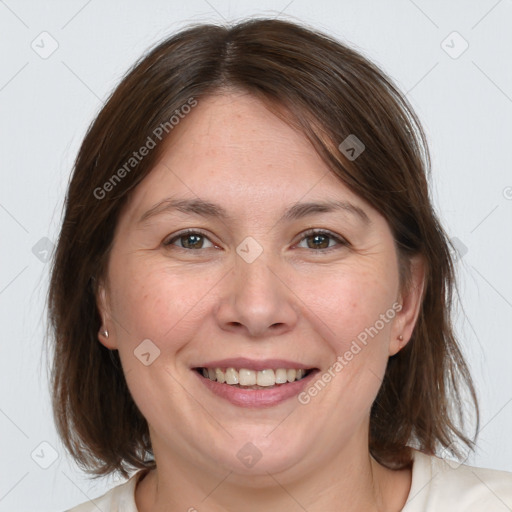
pixel 320 231
pixel 309 232
pixel 175 236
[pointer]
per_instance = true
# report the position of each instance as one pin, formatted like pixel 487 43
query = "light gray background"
pixel 46 104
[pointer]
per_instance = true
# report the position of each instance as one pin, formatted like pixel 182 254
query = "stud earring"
pixel 401 338
pixel 105 333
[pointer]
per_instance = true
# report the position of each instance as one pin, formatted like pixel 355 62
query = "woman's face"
pixel 251 281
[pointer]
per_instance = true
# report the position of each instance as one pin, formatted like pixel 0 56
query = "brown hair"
pixel 328 91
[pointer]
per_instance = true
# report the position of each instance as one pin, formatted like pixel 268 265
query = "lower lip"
pixel 257 397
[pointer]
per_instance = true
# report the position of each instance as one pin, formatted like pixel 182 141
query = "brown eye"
pixel 318 241
pixel 322 240
pixel 189 240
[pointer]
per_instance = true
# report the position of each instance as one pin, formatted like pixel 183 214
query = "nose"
pixel 257 300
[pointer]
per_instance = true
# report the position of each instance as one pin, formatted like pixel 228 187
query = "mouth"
pixel 255 388
pixel 244 378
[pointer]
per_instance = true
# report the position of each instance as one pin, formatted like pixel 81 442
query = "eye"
pixel 321 239
pixel 189 240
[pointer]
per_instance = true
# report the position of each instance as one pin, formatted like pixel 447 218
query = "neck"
pixel 351 482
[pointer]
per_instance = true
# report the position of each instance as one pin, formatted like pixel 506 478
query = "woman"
pixel 251 292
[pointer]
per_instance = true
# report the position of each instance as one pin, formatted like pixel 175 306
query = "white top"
pixel 437 485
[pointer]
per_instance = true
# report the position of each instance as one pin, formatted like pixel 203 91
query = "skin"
pixel 295 301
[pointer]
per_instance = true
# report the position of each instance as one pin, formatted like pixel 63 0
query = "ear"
pixel 107 324
pixel 411 298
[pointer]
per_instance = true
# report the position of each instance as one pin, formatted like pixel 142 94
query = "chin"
pixel 258 453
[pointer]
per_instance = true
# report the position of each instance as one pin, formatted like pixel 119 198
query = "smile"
pixel 255 388
pixel 244 377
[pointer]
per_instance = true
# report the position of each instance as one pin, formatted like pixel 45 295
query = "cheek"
pixel 354 311
pixel 352 304
pixel 158 302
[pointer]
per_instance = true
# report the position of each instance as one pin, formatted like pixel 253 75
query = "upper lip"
pixel 254 364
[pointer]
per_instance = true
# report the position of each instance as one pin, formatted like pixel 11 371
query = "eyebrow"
pixel 207 209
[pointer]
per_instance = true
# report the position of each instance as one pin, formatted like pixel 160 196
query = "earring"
pixel 401 338
pixel 105 333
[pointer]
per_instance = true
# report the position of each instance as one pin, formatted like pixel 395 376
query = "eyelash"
pixel 309 233
pixel 323 232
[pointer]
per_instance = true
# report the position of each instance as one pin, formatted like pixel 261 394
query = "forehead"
pixel 232 127
pixel 232 148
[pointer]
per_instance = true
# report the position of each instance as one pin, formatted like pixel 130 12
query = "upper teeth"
pixel 246 377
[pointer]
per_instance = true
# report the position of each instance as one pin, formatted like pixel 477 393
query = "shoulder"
pixel 120 498
pixel 442 485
